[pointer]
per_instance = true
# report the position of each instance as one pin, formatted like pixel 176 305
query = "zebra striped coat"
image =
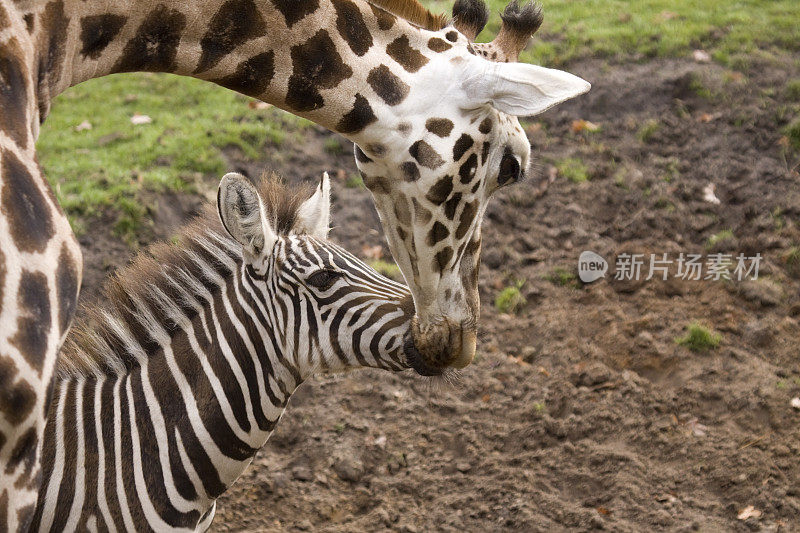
pixel 166 391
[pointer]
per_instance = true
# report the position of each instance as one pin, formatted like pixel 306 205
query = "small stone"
pixel 492 258
pixel 302 473
pixel 644 339
pixel 757 333
pixel 590 374
pixel 765 292
pixel 463 467
pixel 348 468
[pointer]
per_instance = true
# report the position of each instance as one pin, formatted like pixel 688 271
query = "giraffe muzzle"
pixel 431 350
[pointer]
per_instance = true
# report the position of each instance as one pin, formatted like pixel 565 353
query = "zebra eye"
pixel 509 170
pixel 323 279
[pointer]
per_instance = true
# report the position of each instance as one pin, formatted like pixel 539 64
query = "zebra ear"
pixel 314 215
pixel 242 213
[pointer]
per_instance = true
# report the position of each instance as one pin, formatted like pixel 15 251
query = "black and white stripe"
pixel 169 389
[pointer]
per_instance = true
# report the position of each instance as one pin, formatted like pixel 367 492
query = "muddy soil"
pixel 581 411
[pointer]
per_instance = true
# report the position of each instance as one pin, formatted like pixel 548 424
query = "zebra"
pixel 167 388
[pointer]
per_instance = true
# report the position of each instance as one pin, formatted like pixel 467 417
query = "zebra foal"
pixel 167 389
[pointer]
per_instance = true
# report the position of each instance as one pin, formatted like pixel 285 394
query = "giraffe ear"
pixel 242 213
pixel 522 90
pixel 314 215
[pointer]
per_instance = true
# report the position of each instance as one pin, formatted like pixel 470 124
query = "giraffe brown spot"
pixel 315 65
pixel 463 144
pixel 451 36
pixel 252 76
pixel 467 170
pixel 422 215
pixel 27 212
pixel 437 233
pixel 54 29
pixel 484 152
pixel 2 284
pixel 441 190
pixel 97 31
pixel 4 22
pixel 401 210
pixel 30 22
pixel 155 45
pixel 357 118
pixel 361 157
pixel 294 10
pixel 389 87
pixel 438 45
pixel 485 126
pixel 17 398
pixel 385 19
pixel 234 23
pixel 404 128
pixel 377 149
pixel 351 26
pixel 401 233
pixel 467 216
pixel 67 278
pixel 410 171
pixel 13 93
pixel 426 155
pixel 24 452
pixel 442 259
pixel 33 323
pixel 440 127
pixel 475 187
pixel 451 205
pixel 376 184
pixel 406 55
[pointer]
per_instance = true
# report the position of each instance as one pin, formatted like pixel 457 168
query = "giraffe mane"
pixel 143 292
pixel 413 12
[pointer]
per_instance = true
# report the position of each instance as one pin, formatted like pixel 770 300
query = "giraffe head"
pixel 452 141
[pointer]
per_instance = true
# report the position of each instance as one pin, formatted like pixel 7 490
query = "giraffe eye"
pixel 323 279
pixel 509 170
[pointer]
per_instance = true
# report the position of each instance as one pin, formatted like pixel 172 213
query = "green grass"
pixel 792 261
pixel 719 237
pixel 792 132
pixel 793 90
pixel 699 338
pixel 333 146
pixel 385 268
pixel 115 164
pixel 354 181
pixel 573 169
pixel 729 30
pixel 563 278
pixel 648 130
pixel 510 299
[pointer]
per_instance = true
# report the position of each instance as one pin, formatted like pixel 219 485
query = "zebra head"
pixel 329 310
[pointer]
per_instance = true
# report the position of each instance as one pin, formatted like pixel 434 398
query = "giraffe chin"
pixel 432 350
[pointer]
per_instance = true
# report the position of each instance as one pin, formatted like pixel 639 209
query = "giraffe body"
pixel 432 117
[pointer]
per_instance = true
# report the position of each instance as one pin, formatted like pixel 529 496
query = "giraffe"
pixel 432 116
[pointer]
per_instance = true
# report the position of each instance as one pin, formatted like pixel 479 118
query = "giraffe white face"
pixel 454 140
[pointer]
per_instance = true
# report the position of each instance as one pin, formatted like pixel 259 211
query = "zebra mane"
pixel 164 287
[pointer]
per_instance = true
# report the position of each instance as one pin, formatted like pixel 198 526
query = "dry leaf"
pixel 372 252
pixel 85 125
pixel 138 119
pixel 603 511
pixel 257 104
pixel 581 125
pixel 543 371
pixel 380 441
pixel 708 117
pixel 701 56
pixel 708 194
pixel 749 512
pixel 486 397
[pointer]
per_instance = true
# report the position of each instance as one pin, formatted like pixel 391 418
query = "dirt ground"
pixel 581 412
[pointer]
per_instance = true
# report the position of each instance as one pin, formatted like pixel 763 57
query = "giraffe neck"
pixel 339 63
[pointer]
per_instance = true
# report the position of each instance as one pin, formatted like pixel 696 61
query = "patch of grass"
pixel 792 261
pixel 563 278
pixel 573 169
pixel 354 181
pixel 333 146
pixel 539 407
pixel 648 130
pixel 699 88
pixel 113 165
pixel 792 90
pixel 655 28
pixel 385 268
pixel 510 299
pixel 717 238
pixel 699 338
pixel 792 132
